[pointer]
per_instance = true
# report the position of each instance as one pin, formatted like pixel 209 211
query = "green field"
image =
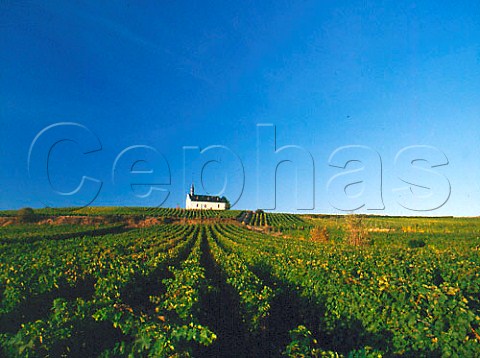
pixel 239 284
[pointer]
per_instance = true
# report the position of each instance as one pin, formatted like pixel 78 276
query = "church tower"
pixel 192 190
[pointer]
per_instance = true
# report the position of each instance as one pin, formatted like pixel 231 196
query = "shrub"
pixel 319 234
pixel 26 215
pixel 301 344
pixel 416 243
pixel 357 233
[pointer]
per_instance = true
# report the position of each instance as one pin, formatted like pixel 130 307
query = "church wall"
pixel 204 205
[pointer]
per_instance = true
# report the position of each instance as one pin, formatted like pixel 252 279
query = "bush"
pixel 415 243
pixel 357 233
pixel 319 234
pixel 303 344
pixel 26 215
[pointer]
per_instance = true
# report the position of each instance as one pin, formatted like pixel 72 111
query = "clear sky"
pixel 378 75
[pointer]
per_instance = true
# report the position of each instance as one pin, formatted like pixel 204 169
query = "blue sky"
pixel 383 75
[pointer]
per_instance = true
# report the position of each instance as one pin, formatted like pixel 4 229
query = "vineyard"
pixel 221 289
pixel 131 211
pixel 275 220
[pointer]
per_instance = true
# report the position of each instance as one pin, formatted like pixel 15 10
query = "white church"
pixel 205 202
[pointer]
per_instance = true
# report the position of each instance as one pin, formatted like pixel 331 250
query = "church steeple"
pixel 192 190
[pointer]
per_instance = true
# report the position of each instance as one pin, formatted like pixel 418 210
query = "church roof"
pixel 207 198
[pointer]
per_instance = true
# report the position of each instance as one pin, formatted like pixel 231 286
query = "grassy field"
pixel 169 282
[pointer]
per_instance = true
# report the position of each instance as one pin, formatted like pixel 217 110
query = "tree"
pixel 26 215
pixel 227 203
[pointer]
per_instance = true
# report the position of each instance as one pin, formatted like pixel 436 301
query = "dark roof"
pixel 208 198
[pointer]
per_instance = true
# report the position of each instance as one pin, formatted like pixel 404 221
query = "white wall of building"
pixel 204 205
